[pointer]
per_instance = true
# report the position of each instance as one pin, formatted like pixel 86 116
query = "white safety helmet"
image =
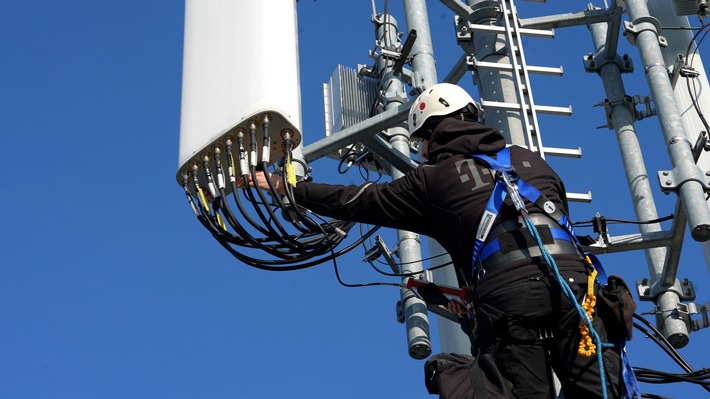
pixel 440 99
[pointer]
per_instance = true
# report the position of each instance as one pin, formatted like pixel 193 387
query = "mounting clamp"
pixel 671 182
pixel 627 102
pixel 648 290
pixel 595 62
pixel 632 29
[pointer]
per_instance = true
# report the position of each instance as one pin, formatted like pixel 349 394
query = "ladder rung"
pixel 551 71
pixel 561 152
pixel 543 109
pixel 577 197
pixel 544 33
pixel 550 110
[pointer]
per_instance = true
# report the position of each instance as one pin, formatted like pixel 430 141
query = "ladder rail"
pixel 521 75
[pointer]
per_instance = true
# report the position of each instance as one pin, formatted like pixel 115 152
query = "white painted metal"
pixel 240 63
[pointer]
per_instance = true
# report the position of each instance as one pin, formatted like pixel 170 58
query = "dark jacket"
pixel 445 198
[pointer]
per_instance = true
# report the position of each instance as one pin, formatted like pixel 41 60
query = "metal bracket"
pixel 704 321
pixel 648 290
pixel 701 144
pixel 648 111
pixel 481 11
pixel 670 183
pixel 680 69
pixel 380 249
pixel 406 53
pixel 600 227
pixel 594 63
pixel 685 311
pixel 632 29
pixel 463 32
pixel 608 108
pixel 486 9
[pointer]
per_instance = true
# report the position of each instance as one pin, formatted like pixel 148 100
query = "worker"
pixel 522 318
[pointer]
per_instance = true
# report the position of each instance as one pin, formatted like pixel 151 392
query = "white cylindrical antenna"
pixel 236 69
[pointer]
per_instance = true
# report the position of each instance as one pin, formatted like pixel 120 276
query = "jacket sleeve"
pixel 399 204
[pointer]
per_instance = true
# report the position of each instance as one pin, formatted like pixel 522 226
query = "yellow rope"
pixel 586 346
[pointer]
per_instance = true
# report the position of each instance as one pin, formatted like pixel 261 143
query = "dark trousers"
pixel 530 328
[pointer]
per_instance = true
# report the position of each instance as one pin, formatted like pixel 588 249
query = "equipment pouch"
pixel 457 376
pixel 616 307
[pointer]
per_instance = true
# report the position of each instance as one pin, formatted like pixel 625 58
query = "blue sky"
pixel 109 287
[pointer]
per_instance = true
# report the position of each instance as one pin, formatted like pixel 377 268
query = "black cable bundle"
pixel 291 237
pixel 700 377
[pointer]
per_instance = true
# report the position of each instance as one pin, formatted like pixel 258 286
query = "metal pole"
pixel 451 338
pixel 394 95
pixel 423 62
pixel 678 42
pixel 607 65
pixel 686 177
pixel 495 84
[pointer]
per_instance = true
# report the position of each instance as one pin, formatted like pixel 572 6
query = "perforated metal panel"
pixel 348 99
pixel 686 7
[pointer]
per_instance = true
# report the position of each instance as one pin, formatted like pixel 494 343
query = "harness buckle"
pixel 481 273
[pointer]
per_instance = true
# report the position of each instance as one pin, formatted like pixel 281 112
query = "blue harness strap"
pixel 507 183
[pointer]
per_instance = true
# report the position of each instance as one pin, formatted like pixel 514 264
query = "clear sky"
pixel 109 287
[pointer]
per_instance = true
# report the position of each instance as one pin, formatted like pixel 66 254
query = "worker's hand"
pixel 262 182
pixel 456 308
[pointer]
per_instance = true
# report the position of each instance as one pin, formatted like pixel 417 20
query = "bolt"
pixel 668 182
pixel 665 173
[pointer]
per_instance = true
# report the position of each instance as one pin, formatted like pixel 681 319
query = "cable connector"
pixel 599 225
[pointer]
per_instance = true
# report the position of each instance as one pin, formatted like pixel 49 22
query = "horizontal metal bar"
pixel 633 242
pixel 386 151
pixel 550 71
pixel 586 17
pixel 577 197
pixel 546 33
pixel 542 109
pixel 457 71
pixel 356 133
pixel 561 152
pixel 458 7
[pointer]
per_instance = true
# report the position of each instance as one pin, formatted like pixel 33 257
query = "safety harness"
pixel 508 183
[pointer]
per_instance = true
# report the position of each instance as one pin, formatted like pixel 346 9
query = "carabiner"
pixel 513 191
